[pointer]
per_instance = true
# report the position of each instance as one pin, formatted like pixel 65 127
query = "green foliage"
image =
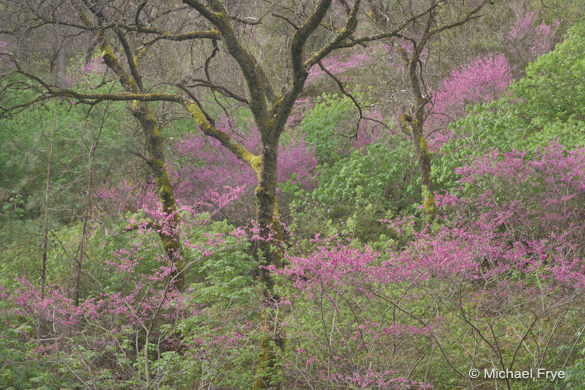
pixel 358 190
pixel 365 176
pixel 554 86
pixel 20 251
pixel 492 125
pixel 225 277
pixel 576 372
pixel 23 166
pixel 18 370
pixel 26 142
pixel 221 294
pixel 222 285
pixel 326 125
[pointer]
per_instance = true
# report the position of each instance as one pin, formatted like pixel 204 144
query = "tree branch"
pixel 131 59
pixel 226 140
pixel 256 80
pixel 223 90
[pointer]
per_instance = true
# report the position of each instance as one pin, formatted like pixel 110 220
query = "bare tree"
pixel 414 40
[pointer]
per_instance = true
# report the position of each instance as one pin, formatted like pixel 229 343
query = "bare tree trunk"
pixel 86 209
pixel 81 249
pixel 424 166
pixel 415 126
pixel 83 239
pixel 267 209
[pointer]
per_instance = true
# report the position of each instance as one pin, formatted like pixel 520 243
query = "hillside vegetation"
pixel 307 194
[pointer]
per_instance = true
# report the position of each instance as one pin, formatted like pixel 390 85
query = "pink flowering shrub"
pixel 378 317
pixel 529 40
pixel 337 65
pixel 92 342
pixel 350 340
pixel 488 76
pixel 124 196
pixel 95 65
pixel 533 203
pixel 86 75
pixel 207 177
pixel 209 166
pixel 207 170
pixel 480 81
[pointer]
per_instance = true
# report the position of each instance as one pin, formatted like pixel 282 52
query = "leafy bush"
pixel 327 126
pixel 554 86
pixel 358 190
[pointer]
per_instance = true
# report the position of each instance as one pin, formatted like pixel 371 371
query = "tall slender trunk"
pixel 424 166
pixel 86 207
pixel 46 212
pixel 416 128
pixel 81 249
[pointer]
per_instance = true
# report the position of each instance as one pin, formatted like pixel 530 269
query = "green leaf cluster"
pixel 353 193
pixel 327 126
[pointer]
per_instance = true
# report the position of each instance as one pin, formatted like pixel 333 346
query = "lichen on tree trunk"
pixel 268 374
pixel 424 163
pixel 156 161
pixel 415 129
